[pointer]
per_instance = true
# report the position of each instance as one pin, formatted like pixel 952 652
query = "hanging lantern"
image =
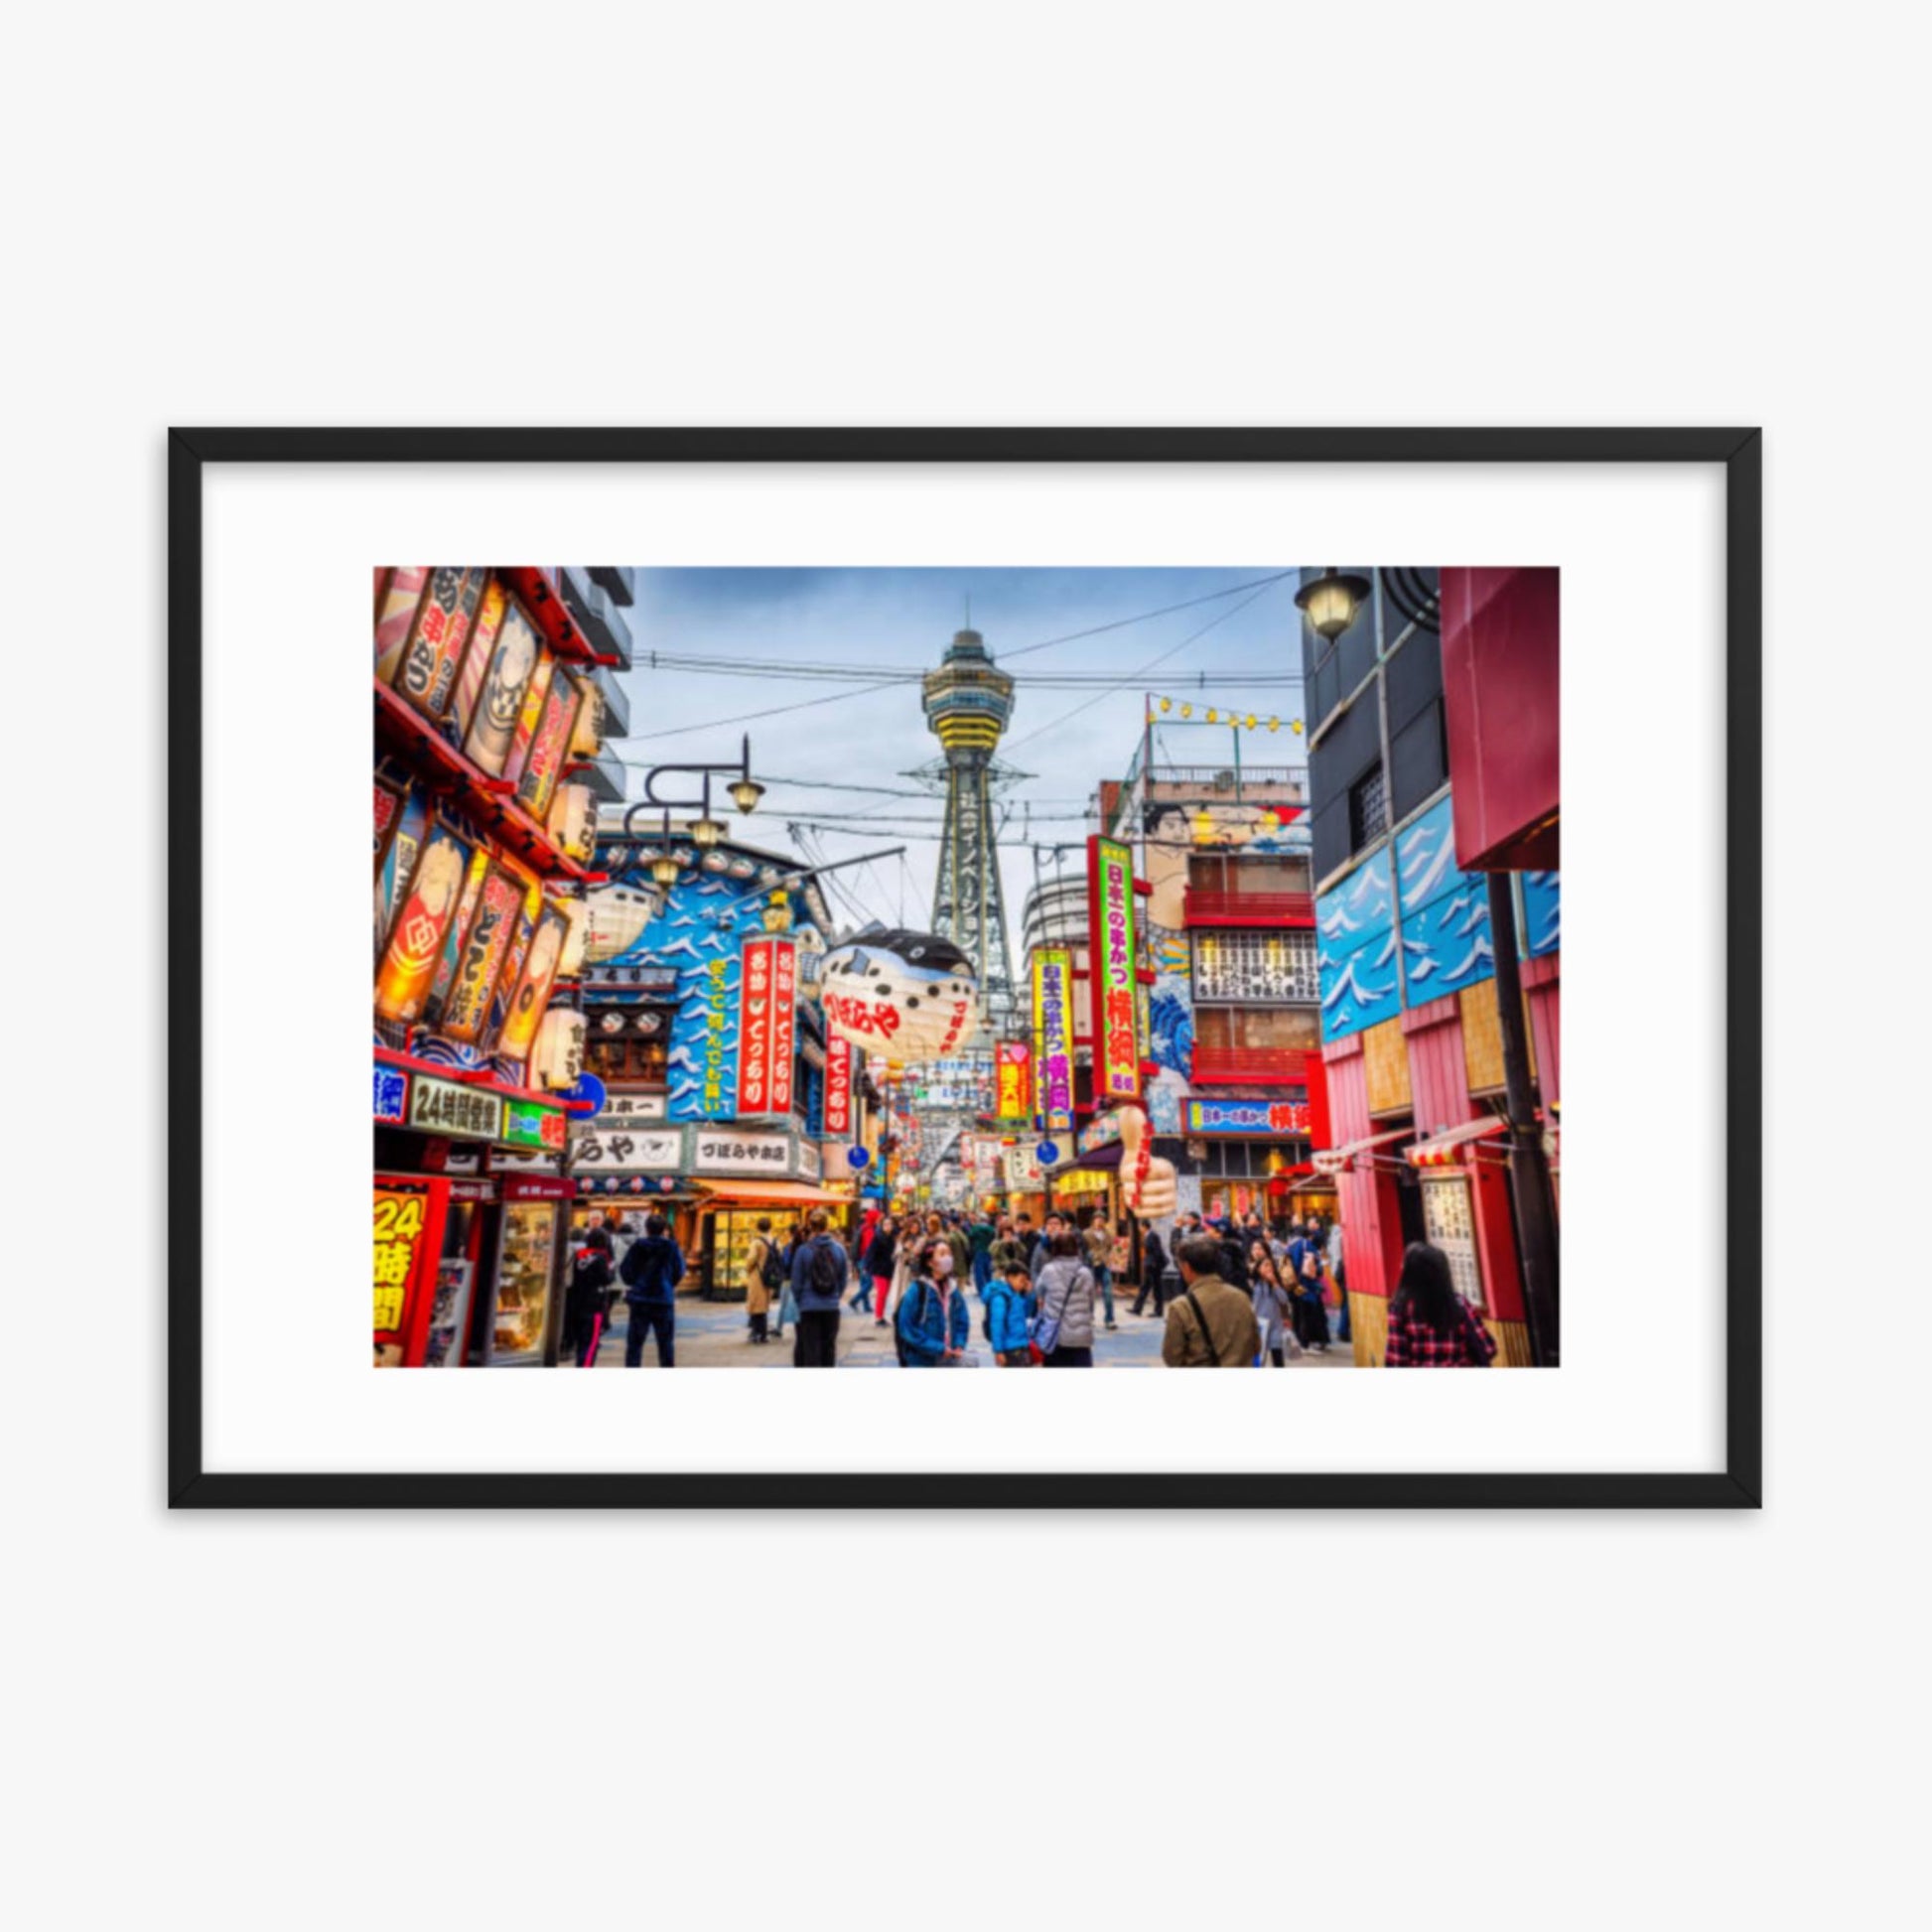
pixel 1214 717
pixel 570 962
pixel 1250 721
pixel 1203 827
pixel 908 997
pixel 558 1061
pixel 1274 724
pixel 1186 710
pixel 573 822
pixel 1295 728
pixel 1331 600
pixel 587 733
pixel 1166 704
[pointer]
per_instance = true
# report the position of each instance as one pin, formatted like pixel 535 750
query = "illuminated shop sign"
pixel 391 1093
pixel 1116 1006
pixel 767 993
pixel 443 1107
pixel 1014 1071
pixel 1261 1117
pixel 838 1087
pixel 1052 1045
pixel 526 1123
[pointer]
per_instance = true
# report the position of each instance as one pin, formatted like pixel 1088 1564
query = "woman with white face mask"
pixel 932 1319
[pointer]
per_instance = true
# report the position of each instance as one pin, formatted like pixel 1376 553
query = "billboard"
pixel 768 994
pixel 1054 1037
pixel 838 1087
pixel 1115 979
pixel 1014 1072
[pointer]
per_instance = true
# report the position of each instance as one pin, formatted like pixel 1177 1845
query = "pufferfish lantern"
pixel 1147 1184
pixel 903 996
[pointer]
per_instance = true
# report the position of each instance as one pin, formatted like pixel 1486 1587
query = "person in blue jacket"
pixel 933 1318
pixel 1010 1306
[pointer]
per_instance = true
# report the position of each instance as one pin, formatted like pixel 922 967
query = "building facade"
pixel 1433 767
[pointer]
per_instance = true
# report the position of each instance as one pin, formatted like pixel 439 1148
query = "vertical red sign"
pixel 838 1087
pixel 767 993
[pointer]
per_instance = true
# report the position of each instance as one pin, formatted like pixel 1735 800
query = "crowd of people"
pixel 1232 1292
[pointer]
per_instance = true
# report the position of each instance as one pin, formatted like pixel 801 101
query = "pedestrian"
pixel 1153 1269
pixel 588 1298
pixel 1273 1303
pixel 937 1228
pixel 1304 1284
pixel 1212 1324
pixel 819 1271
pixel 980 1236
pixel 787 1245
pixel 1099 1245
pixel 764 1274
pixel 1043 1250
pixel 1064 1332
pixel 651 1271
pixel 1337 1270
pixel 1429 1324
pixel 1013 1243
pixel 1010 1309
pixel 876 1274
pixel 932 1324
pixel 1234 1257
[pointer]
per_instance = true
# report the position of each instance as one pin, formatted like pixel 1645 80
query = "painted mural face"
pixel 907 995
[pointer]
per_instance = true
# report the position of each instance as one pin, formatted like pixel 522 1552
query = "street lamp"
pixel 746 793
pixel 706 832
pixel 1331 600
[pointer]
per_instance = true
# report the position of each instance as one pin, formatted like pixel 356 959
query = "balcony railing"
pixel 1205 907
pixel 1274 1066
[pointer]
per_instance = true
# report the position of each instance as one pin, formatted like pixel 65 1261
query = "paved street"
pixel 713 1335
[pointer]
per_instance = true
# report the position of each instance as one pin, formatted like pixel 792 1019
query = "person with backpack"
pixel 932 1326
pixel 1211 1324
pixel 1429 1324
pixel 652 1268
pixel 588 1298
pixel 765 1276
pixel 819 1273
pixel 1012 1242
pixel 1310 1315
pixel 1063 1327
pixel 1010 1309
pixel 980 1237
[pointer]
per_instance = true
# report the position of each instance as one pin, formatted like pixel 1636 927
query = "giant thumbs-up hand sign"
pixel 1147 1180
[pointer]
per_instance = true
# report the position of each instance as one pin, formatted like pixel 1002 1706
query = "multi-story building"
pixel 726 1102
pixel 1417 800
pixel 1237 1098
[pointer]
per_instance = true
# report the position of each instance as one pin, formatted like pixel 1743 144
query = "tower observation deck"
pixel 968 702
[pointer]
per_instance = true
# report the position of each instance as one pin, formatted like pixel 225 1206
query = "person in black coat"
pixel 588 1298
pixel 1153 1269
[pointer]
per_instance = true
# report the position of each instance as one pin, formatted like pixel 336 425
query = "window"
pixel 641 1061
pixel 1257 964
pixel 1243 1028
pixel 1232 871
pixel 1368 808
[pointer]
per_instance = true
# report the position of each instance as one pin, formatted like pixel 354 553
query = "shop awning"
pixel 1338 1160
pixel 787 1194
pixel 1101 1160
pixel 1441 1149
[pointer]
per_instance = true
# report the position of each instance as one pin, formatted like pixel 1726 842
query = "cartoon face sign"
pixel 907 997
pixel 502 694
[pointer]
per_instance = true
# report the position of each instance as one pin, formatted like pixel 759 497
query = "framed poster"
pixel 1250 867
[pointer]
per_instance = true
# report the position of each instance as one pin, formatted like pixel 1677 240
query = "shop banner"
pixel 526 1123
pixel 1253 1116
pixel 391 1094
pixel 627 1110
pixel 768 1020
pixel 1014 1073
pixel 512 664
pixel 1052 1039
pixel 482 653
pixel 621 1150
pixel 1116 1005
pixel 752 1152
pixel 532 995
pixel 427 671
pixel 447 1107
pixel 536 694
pixel 395 615
pixel 416 938
pixel 402 1216
pixel 467 1009
pixel 838 1087
pixel 549 745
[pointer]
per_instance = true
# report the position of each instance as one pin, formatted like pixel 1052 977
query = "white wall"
pixel 883 214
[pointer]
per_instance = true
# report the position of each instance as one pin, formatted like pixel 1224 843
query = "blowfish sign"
pixel 1014 1066
pixel 768 991
pixel 1110 916
pixel 838 1087
pixel 1052 1043
pixel 909 996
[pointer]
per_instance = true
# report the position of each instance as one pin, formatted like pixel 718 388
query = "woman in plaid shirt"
pixel 1429 1324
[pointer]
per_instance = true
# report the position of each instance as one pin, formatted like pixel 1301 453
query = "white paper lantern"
pixel 570 962
pixel 587 734
pixel 559 1056
pixel 905 997
pixel 573 822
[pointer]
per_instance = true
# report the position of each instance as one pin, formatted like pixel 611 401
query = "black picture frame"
pixel 1739 1486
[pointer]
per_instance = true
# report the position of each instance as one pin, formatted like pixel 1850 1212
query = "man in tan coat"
pixel 1209 1323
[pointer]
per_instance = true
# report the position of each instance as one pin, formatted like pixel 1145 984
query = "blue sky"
pixel 1068 739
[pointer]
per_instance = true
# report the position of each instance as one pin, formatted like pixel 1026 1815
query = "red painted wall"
pixel 1501 696
pixel 1370 1221
pixel 1438 1076
pixel 1544 979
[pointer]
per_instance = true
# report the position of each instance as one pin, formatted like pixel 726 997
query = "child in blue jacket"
pixel 933 1318
pixel 1010 1308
